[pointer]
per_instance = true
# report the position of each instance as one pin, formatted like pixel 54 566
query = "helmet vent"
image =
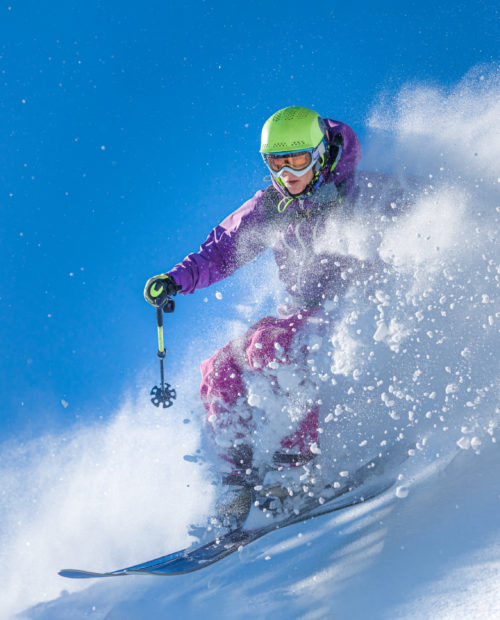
pixel 283 146
pixel 290 114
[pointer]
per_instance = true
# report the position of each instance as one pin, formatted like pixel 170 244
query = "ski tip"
pixel 72 573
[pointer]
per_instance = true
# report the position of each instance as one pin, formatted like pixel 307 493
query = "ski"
pixel 190 560
pixel 366 484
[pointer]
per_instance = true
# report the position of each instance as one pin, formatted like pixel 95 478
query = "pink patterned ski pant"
pixel 268 341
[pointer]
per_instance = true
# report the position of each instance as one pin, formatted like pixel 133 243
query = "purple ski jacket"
pixel 292 232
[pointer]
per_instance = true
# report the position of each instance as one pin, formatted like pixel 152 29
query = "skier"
pixel 312 163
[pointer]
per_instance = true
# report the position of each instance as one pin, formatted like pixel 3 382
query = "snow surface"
pixel 416 361
pixel 433 554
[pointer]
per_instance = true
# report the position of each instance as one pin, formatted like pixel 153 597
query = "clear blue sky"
pixel 130 129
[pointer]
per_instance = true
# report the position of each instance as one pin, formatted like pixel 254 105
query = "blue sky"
pixel 130 129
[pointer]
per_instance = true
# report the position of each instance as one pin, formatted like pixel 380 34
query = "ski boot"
pixel 235 504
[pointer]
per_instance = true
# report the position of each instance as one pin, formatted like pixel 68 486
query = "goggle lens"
pixel 295 161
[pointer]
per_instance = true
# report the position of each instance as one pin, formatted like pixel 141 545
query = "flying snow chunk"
pixel 254 400
pixel 464 443
pixel 402 492
pixel 475 443
pixel 381 331
pixel 315 449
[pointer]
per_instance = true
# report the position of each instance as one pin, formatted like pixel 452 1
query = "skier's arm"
pixel 232 244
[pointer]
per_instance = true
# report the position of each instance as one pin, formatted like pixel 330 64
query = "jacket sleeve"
pixel 232 244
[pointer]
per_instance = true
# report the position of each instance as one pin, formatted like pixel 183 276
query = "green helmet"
pixel 292 129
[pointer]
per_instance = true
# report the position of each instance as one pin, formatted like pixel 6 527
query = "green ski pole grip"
pixel 159 323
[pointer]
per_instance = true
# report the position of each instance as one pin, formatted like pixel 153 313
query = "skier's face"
pixel 296 185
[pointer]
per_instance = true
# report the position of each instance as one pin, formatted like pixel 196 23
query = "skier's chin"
pixel 294 187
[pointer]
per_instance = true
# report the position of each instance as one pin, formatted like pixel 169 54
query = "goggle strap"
pixel 320 149
pixel 339 153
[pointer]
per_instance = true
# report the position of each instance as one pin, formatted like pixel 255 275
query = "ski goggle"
pixel 297 162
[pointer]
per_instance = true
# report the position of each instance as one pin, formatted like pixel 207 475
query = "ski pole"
pixel 163 395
